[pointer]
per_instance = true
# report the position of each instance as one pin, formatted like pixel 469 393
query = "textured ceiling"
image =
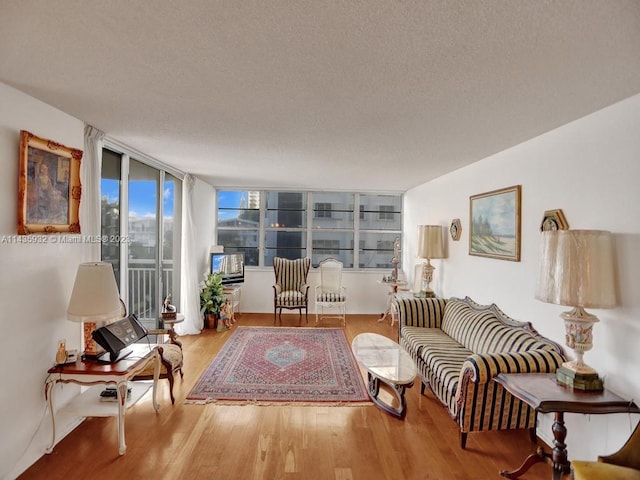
pixel 358 95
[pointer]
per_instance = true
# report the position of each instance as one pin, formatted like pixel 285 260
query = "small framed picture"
pixel 455 229
pixel 553 220
pixel 48 186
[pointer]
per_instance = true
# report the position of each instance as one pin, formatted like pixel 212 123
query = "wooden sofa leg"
pixel 463 440
pixel 422 386
pixel 533 436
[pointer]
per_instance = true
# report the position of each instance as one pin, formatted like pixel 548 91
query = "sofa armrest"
pixel 481 404
pixel 420 312
pixel 481 368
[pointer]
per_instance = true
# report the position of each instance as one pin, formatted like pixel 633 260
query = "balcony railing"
pixel 142 278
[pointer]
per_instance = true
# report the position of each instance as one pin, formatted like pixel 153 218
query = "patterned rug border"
pixel 275 403
pixel 364 402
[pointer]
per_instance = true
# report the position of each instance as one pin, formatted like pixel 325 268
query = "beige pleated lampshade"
pixel 95 296
pixel 430 244
pixel 577 269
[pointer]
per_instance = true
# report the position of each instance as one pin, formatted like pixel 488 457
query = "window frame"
pixel 309 229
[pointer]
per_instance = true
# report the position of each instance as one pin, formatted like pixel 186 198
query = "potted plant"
pixel 211 298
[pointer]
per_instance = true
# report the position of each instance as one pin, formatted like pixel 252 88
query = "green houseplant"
pixel 211 298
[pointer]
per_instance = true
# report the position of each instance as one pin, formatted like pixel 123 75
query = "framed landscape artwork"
pixel 494 219
pixel 48 186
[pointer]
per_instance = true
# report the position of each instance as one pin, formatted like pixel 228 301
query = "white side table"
pixel 390 298
pixel 234 296
pixel 93 372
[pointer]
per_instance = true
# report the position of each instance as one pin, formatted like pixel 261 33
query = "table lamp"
pixel 577 270
pixel 94 300
pixel 430 245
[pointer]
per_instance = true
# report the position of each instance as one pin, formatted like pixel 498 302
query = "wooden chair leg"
pixel 170 377
pixel 532 435
pixel 463 440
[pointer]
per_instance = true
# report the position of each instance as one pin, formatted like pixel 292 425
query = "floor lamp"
pixel 577 270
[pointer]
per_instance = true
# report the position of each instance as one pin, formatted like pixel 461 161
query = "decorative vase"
pixel 211 320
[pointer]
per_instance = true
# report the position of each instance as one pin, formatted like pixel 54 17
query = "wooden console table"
pixel 541 392
pixel 93 372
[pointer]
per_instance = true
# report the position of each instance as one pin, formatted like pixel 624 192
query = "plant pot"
pixel 211 320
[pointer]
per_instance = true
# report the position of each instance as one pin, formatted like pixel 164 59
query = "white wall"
pixel 35 285
pixel 590 169
pixel 364 292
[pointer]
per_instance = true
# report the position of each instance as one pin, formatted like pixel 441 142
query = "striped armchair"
pixel 291 290
pixel 459 346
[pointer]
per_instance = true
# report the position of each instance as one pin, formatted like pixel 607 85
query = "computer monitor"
pixel 230 266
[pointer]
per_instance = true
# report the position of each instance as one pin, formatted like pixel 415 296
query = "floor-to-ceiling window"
pixel 141 221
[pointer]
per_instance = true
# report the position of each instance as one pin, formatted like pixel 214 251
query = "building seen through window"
pixel 266 224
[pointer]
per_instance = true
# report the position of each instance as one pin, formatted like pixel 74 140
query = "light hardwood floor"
pixel 282 442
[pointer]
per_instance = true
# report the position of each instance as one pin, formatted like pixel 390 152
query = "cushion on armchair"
pixel 171 354
pixel 602 471
pixel 171 361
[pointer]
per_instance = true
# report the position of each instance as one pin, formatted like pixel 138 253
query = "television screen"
pixel 229 265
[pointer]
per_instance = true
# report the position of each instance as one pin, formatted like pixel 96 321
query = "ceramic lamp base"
pixel 91 348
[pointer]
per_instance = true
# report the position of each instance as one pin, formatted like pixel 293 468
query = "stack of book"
pixel 110 394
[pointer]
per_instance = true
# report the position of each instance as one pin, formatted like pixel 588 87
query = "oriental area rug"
pixel 268 365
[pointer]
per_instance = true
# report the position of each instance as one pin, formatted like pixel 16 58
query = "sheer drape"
pixel 189 290
pixel 90 178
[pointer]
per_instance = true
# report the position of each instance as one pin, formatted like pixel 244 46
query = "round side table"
pixel 169 323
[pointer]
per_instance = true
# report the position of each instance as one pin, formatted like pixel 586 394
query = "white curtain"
pixel 189 290
pixel 90 178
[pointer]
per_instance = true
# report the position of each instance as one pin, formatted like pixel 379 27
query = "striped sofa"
pixel 459 346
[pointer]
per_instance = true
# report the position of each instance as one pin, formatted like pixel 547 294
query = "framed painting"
pixel 48 186
pixel 494 220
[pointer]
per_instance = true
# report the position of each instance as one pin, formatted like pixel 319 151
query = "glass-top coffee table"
pixel 385 361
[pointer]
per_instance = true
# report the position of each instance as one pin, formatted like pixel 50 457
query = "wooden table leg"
pixel 373 386
pixel 530 461
pixel 561 464
pixel 557 458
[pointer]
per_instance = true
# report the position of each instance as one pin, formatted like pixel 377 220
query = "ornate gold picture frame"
pixel 48 186
pixel 494 224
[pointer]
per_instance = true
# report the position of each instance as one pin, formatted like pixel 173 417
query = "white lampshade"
pixel 430 244
pixel 95 296
pixel 577 269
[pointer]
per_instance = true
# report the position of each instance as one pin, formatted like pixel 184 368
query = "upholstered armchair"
pixel 290 290
pixel 622 465
pixel 331 294
pixel 170 359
